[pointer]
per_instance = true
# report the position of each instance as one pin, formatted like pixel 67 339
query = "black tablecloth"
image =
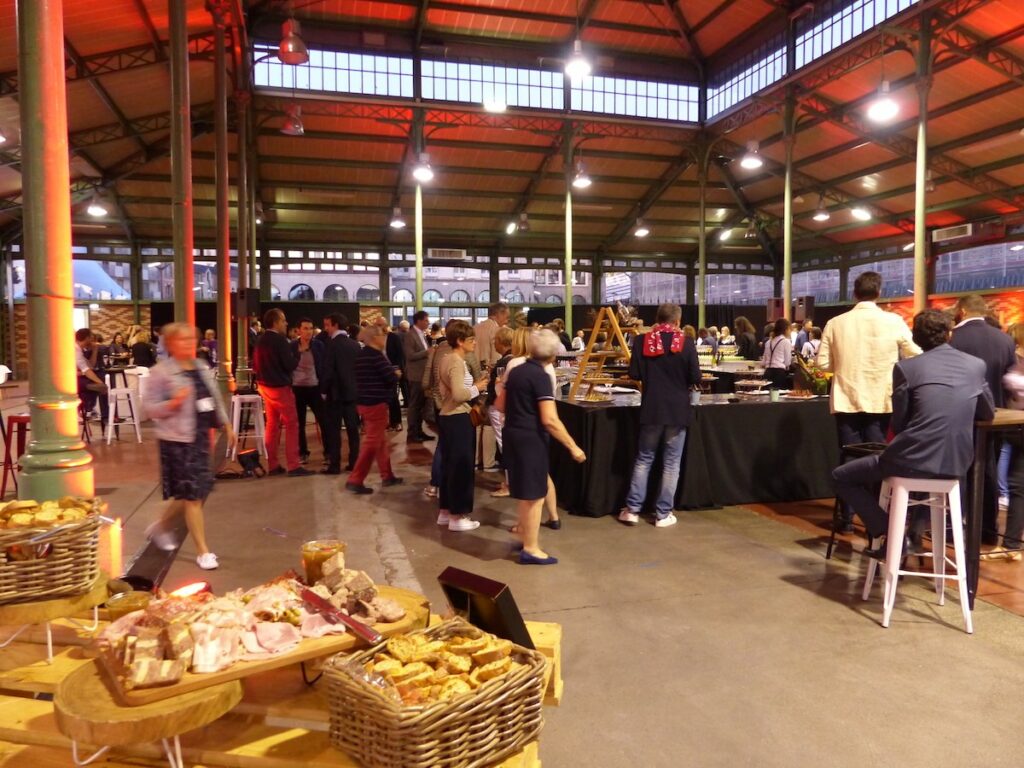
pixel 736 453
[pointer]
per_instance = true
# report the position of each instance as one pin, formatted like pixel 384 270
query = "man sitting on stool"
pixel 936 399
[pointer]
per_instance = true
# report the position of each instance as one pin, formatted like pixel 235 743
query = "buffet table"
pixel 736 453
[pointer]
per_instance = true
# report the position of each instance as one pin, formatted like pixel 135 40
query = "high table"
pixel 736 453
pixel 1005 420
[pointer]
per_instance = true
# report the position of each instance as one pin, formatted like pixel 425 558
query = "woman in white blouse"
pixel 778 355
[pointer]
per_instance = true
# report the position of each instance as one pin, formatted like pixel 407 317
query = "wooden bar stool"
pixel 21 424
pixel 246 410
pixel 942 496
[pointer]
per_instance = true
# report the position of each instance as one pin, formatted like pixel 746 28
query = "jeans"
pixel 279 405
pixel 374 444
pixel 862 427
pixel 652 436
pixel 1004 470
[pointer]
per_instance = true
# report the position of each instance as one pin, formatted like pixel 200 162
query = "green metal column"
pixel 789 130
pixel 702 244
pixel 567 264
pixel 494 279
pixel 225 379
pixel 242 238
pixel 596 277
pixel 384 282
pixel 136 281
pixel 924 84
pixel 56 462
pixel 419 246
pixel 181 166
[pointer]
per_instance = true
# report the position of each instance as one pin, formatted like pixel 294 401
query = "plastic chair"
pixel 942 496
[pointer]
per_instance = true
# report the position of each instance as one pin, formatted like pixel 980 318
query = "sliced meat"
pixel 316 625
pixel 277 636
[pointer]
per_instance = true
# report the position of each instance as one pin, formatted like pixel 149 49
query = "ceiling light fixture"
pixel 578 66
pixel 259 212
pixel 884 107
pixel 423 172
pixel 397 222
pixel 929 184
pixel 3 137
pixel 96 207
pixel 752 160
pixel 495 104
pixel 861 213
pixel 293 49
pixel 908 247
pixel 292 125
pixel 641 229
pixel 581 180
pixel 524 222
pixel 822 214
pixel 510 228
pixel 751 232
pixel 724 235
pixel 1017 247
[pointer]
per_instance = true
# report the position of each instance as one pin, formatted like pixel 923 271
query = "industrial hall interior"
pixel 468 383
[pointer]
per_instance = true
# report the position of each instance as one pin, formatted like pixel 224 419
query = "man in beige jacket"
pixel 487 356
pixel 860 348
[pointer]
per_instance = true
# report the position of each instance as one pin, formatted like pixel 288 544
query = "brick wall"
pixel 107 320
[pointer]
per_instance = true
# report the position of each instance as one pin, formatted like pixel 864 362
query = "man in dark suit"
pixel 339 389
pixel 665 360
pixel 937 396
pixel 416 348
pixel 975 336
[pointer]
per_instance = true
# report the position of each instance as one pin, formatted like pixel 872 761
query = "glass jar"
pixel 315 552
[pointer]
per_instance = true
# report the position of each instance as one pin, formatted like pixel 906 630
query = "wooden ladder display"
pixel 592 361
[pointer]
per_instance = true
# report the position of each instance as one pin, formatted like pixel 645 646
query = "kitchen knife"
pixel 333 615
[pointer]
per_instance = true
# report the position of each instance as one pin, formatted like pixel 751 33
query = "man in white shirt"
pixel 860 348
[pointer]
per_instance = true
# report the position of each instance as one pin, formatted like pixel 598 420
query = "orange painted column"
pixel 56 462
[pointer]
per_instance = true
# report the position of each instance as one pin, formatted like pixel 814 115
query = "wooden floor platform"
pixel 281 721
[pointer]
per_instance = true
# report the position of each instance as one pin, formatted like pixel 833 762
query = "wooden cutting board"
pixel 417 612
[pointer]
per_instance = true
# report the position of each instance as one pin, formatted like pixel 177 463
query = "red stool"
pixel 21 422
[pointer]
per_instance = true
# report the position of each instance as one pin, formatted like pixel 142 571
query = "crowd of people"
pixel 486 394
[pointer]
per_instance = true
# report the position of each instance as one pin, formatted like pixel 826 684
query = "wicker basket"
pixel 476 729
pixel 47 563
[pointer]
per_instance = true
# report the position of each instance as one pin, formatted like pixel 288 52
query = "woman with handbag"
pixel 458 435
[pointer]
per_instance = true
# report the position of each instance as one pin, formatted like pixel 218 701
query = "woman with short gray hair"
pixel 530 417
pixel 182 398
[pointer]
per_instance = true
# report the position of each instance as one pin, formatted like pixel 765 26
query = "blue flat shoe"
pixel 517 546
pixel 525 558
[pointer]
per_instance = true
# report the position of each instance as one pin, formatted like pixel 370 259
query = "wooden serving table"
pixel 1005 420
pixel 271 719
pixel 25 615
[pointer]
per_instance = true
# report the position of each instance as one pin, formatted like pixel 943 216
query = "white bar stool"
pixel 943 496
pixel 116 395
pixel 253 405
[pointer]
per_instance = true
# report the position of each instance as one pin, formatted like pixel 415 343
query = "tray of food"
pixel 181 644
pixel 473 697
pixel 799 395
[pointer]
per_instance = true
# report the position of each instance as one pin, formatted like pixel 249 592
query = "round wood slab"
pixel 41 611
pixel 88 712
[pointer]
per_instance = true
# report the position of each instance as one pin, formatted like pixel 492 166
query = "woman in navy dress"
pixel 530 418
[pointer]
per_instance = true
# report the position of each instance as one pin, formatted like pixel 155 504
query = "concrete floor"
pixel 727 640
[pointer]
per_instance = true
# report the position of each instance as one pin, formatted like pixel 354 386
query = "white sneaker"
pixel 628 517
pixel 443 518
pixel 462 524
pixel 207 562
pixel 1004 502
pixel 161 537
pixel 666 521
